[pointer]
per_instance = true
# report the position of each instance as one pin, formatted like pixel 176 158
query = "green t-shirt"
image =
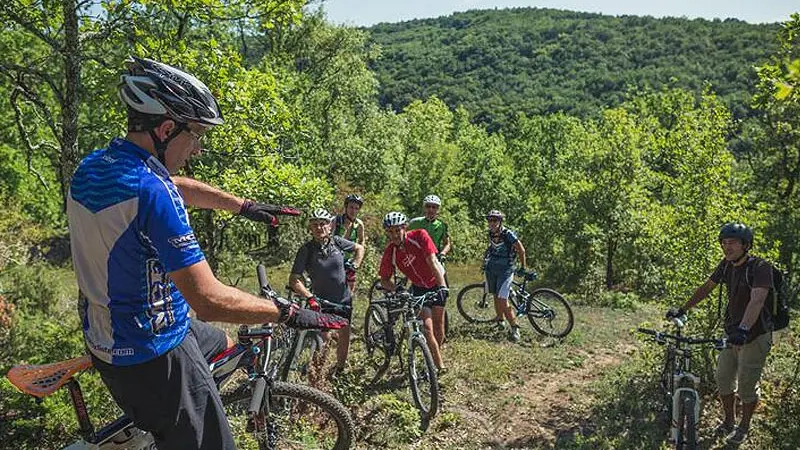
pixel 339 229
pixel 435 228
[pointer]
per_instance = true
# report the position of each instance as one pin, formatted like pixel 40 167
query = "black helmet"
pixel 737 231
pixel 151 88
pixel 354 198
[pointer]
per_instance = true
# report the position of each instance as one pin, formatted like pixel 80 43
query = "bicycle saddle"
pixel 41 381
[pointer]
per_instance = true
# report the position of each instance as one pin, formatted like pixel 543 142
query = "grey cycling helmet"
pixel 154 89
pixel 432 200
pixel 394 218
pixel 737 231
pixel 321 214
pixel 354 198
pixel 495 214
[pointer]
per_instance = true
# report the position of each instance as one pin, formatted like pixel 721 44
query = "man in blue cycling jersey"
pixel 139 266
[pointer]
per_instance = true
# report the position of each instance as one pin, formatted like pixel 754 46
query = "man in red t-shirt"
pixel 414 254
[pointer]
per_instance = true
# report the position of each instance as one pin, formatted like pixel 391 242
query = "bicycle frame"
pixel 411 310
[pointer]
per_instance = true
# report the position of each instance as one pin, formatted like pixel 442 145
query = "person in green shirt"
pixel 350 227
pixel 437 230
pixel 435 227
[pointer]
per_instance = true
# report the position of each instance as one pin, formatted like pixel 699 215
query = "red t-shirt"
pixel 411 259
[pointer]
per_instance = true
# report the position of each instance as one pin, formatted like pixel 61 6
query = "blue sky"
pixel 369 12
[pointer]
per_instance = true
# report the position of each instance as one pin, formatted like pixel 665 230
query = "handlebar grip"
pixel 263 283
pixel 646 331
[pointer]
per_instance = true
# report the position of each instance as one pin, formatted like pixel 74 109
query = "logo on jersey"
pixel 408 260
pixel 159 314
pixel 183 242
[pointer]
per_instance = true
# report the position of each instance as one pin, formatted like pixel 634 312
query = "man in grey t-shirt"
pixel 323 259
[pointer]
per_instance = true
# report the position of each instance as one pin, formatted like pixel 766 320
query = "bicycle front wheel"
pixel 298 417
pixel 687 423
pixel 475 304
pixel 422 378
pixel 549 313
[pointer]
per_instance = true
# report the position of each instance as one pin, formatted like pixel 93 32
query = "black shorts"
pixel 439 300
pixel 174 396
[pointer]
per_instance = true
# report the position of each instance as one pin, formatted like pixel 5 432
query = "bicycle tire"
pixel 475 304
pixel 375 289
pixel 281 395
pixel 377 343
pixel 417 378
pixel 687 424
pixel 542 319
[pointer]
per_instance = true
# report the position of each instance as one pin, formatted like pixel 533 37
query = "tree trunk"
pixel 69 111
pixel 611 247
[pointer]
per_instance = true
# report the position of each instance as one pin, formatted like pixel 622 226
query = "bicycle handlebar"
pixel 662 337
pixel 404 297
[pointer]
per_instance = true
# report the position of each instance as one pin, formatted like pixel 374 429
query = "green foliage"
pixel 771 153
pixel 499 63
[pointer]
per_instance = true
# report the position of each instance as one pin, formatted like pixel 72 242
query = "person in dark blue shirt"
pixel 139 266
pixel 504 246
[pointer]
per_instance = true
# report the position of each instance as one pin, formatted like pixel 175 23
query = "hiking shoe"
pixel 737 436
pixel 723 429
pixel 514 334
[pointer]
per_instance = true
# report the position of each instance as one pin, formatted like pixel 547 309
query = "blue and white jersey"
pixel 129 229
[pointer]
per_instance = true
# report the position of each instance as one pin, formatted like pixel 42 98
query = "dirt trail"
pixel 536 414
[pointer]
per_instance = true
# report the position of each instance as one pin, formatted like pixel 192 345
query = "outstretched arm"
pixel 200 195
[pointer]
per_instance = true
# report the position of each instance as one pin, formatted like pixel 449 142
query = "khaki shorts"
pixel 744 366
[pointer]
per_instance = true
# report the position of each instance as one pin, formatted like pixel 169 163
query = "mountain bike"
pixel 263 413
pixel 547 310
pixel 382 344
pixel 376 291
pixel 306 349
pixel 679 384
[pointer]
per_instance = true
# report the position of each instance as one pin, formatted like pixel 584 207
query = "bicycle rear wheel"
pixel 549 313
pixel 375 290
pixel 298 417
pixel 422 378
pixel 304 358
pixel 378 344
pixel 475 304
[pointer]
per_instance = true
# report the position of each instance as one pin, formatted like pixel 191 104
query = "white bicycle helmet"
pixel 394 218
pixel 432 200
pixel 321 214
pixel 152 88
pixel 495 214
